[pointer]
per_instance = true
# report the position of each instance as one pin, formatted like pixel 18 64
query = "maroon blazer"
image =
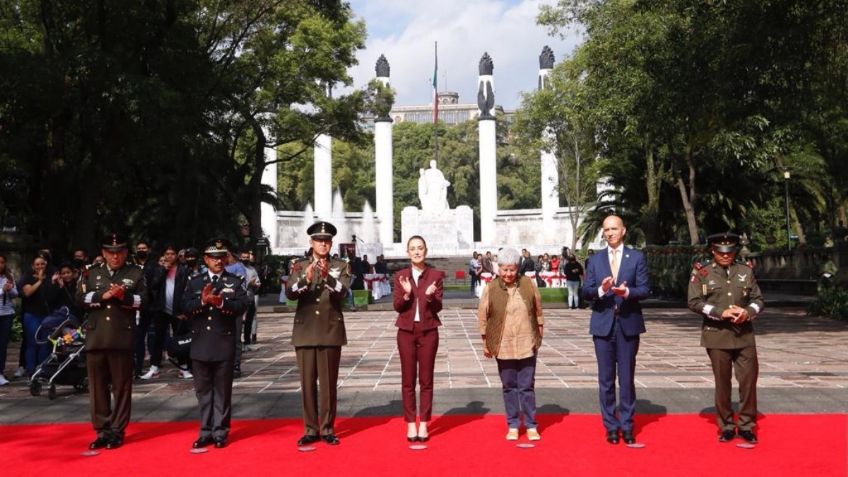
pixel 428 308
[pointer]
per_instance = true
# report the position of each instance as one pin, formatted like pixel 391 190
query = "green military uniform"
pixel 713 289
pixel 109 329
pixel 318 335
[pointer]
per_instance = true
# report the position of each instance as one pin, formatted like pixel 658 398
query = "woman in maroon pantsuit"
pixel 417 298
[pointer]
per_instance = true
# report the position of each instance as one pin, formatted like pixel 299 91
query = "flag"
pixel 436 86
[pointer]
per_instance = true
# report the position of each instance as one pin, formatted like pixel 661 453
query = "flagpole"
pixel 436 101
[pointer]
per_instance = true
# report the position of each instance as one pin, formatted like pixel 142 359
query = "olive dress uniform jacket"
pixel 318 320
pixel 713 289
pixel 213 329
pixel 110 324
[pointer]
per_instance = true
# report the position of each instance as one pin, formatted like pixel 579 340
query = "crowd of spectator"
pixel 49 286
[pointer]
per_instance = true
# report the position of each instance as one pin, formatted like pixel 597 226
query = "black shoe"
pixel 331 439
pixel 306 440
pixel 423 439
pixel 727 435
pixel 612 437
pixel 202 442
pixel 115 442
pixel 237 371
pixel 99 443
pixel 412 439
pixel 628 437
pixel 749 436
pixel 220 443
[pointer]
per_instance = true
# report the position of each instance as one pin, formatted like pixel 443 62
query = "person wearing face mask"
pixel 144 316
pixel 191 261
pixel 79 262
pixel 726 295
pixel 417 298
pixel 142 253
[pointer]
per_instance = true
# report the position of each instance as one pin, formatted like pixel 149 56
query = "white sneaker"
pixel 3 380
pixel 185 374
pixel 20 372
pixel 533 434
pixel 151 373
pixel 512 434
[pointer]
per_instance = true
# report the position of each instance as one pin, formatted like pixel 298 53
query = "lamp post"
pixel 786 195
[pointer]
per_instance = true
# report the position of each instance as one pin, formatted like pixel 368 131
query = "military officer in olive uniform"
pixel 725 293
pixel 110 294
pixel 319 284
pixel 213 301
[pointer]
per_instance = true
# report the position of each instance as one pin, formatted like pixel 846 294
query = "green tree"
pixel 707 97
pixel 556 119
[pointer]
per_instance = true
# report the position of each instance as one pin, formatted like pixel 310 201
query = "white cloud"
pixel 405 31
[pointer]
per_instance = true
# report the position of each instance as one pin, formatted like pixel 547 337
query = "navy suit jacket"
pixel 633 269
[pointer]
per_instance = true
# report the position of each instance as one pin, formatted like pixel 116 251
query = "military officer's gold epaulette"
pixel 299 265
pixel 746 263
pixel 699 268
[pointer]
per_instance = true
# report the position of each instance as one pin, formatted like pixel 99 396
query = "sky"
pixel 405 31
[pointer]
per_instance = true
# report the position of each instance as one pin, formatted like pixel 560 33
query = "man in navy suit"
pixel 616 280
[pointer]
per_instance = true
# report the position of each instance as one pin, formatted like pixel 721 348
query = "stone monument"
pixel 433 191
pixel 447 231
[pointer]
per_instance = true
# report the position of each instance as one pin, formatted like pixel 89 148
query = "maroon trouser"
pixel 417 349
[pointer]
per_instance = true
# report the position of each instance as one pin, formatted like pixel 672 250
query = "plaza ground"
pixel 803 369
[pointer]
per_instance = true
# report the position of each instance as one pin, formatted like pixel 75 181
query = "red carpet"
pixel 799 445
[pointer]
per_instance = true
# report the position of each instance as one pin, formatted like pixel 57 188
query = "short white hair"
pixel 508 256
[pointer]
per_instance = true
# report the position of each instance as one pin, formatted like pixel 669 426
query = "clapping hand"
pixel 431 289
pixel 738 314
pixel 620 290
pixel 323 267
pixel 607 283
pixel 114 291
pixel 8 285
pixel 405 283
pixel 118 291
pixel 210 297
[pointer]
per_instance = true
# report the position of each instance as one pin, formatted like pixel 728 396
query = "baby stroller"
pixel 66 363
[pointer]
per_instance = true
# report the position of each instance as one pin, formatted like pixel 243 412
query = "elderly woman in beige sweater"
pixel 511 323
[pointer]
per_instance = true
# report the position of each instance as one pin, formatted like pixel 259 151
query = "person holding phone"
pixel 417 297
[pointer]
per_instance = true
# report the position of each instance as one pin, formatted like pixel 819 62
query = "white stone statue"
pixel 433 191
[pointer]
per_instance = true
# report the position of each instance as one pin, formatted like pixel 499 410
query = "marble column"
pixel 383 180
pixel 550 169
pixel 323 177
pixel 488 148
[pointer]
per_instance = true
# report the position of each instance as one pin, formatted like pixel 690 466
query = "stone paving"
pixel 802 359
